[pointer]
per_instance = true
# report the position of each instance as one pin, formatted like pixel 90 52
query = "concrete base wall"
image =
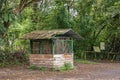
pixel 61 59
pixel 50 60
pixel 69 58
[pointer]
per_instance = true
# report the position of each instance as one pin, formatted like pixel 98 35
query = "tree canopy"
pixel 95 20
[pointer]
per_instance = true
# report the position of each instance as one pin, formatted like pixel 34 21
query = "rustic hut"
pixel 51 48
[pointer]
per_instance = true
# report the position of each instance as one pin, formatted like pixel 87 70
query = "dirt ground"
pixel 99 71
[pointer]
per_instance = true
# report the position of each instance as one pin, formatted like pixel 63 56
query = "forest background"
pixel 95 20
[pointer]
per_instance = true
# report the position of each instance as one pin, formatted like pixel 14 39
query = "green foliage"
pixel 8 57
pixel 34 67
pixel 6 18
pixel 67 66
pixel 94 20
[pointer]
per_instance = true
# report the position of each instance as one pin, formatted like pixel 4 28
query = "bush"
pixel 16 57
pixel 79 54
pixel 21 56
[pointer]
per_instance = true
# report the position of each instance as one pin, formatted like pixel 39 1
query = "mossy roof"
pixel 49 34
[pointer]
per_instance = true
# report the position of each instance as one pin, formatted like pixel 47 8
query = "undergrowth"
pixel 17 57
pixel 34 67
pixel 67 66
pixel 84 61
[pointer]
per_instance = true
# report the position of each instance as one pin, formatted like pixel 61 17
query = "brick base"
pixel 50 60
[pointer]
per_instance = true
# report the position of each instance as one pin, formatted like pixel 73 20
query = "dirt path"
pixel 100 71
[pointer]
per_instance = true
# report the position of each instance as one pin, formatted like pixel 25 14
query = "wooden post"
pixel 63 46
pixel 72 45
pixel 40 50
pixel 31 43
pixel 53 47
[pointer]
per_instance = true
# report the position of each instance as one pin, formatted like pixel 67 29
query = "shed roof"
pixel 49 34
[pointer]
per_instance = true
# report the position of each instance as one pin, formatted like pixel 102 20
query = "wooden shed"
pixel 51 48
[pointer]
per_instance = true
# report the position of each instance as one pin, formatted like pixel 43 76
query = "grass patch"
pixel 84 61
pixel 5 64
pixel 34 67
pixel 67 66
